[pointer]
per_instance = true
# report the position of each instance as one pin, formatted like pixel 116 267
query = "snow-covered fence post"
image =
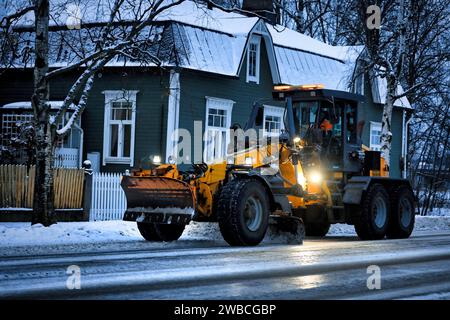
pixel 87 189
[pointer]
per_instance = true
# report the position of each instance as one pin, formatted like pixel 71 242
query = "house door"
pixel 218 122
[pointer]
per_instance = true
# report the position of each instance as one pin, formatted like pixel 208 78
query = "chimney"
pixel 262 8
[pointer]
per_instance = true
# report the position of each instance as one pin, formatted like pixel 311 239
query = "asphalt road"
pixel 330 268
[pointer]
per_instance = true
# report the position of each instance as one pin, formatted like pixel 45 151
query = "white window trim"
pixel 374 125
pixel 117 96
pixel 254 40
pixel 226 105
pixel 273 111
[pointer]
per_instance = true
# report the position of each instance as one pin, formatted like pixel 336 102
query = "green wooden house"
pixel 215 65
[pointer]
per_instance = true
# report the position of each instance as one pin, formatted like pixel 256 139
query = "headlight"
pixel 301 180
pixel 156 160
pixel 297 140
pixel 315 177
pixel 249 161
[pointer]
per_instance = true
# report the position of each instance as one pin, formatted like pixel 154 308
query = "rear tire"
pixel 318 229
pixel 160 232
pixel 243 212
pixel 402 219
pixel 372 219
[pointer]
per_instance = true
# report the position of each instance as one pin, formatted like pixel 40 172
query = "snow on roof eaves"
pixel 285 37
pixel 379 92
pixel 26 105
pixel 299 67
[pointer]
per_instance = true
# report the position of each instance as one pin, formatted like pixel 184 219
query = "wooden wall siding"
pixel 17 187
pixel 151 110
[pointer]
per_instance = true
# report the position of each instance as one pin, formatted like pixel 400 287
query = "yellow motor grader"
pixel 316 173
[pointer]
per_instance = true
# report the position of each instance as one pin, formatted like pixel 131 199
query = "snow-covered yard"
pixel 22 234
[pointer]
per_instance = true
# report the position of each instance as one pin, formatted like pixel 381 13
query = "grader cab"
pixel 316 173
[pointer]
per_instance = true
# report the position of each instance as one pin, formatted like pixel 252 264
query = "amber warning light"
pixel 301 87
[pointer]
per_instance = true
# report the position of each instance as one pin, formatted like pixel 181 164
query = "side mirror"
pixel 259 117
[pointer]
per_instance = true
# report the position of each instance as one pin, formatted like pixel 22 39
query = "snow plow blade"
pixel 158 200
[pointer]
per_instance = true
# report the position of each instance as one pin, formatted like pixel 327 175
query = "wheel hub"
pixel 405 212
pixel 253 213
pixel 380 212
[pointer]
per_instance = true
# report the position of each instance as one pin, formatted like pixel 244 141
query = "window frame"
pixel 12 118
pixel 255 40
pixel 375 126
pixel 274 112
pixel 111 96
pixel 219 104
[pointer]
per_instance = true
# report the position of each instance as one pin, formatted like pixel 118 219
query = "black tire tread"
pixel 160 232
pixel 362 219
pixel 395 231
pixel 228 212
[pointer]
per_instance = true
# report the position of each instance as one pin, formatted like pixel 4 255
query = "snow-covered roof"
pixel 285 37
pixel 215 41
pixel 26 105
pixel 206 50
pixel 379 92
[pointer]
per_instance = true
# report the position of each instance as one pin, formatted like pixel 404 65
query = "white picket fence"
pixel 66 158
pixel 108 198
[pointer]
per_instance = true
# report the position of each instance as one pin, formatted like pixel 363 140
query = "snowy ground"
pixel 22 234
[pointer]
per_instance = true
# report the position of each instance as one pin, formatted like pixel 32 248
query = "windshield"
pixel 305 115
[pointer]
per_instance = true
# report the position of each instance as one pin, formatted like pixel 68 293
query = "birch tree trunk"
pixel 386 133
pixel 43 208
pixel 393 74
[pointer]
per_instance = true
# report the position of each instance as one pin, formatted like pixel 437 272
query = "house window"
pixel 273 120
pixel 375 136
pixel 11 124
pixel 218 122
pixel 253 60
pixel 119 127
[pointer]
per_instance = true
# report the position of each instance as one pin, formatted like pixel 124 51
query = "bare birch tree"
pixel 119 34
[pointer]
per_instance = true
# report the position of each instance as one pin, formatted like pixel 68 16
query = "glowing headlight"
pixel 315 177
pixel 297 140
pixel 249 161
pixel 301 180
pixel 156 160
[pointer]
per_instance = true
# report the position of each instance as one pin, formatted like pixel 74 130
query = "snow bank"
pixel 22 234
pixel 440 212
pixel 18 234
pixel 428 223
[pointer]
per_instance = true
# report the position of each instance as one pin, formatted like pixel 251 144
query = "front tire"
pixel 160 232
pixel 243 212
pixel 402 214
pixel 372 219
